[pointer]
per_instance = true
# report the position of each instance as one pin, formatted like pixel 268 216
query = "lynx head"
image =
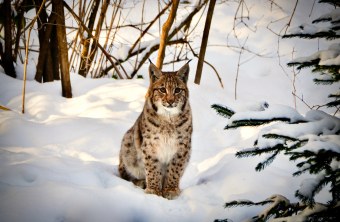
pixel 168 91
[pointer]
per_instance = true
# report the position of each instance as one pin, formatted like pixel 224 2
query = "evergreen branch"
pixel 334 96
pixel 322 20
pixel 332 70
pixel 241 203
pixel 300 143
pixel 277 136
pixel 260 166
pixel 222 220
pixel 256 151
pixel 280 207
pixel 308 198
pixel 303 170
pixel 255 122
pixel 304 64
pixel 333 103
pixel 331 213
pixel 324 81
pixel 223 110
pixel 248 152
pixel 332 2
pixel 327 35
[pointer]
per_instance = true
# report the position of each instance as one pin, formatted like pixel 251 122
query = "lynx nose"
pixel 170 103
pixel 170 100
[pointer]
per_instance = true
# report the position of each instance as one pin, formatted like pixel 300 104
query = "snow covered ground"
pixel 58 161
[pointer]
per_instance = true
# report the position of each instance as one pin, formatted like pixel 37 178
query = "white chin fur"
pixel 165 111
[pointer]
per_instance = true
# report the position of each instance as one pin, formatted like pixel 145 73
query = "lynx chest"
pixel 166 146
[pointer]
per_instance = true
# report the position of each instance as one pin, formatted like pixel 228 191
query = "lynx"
pixel 156 150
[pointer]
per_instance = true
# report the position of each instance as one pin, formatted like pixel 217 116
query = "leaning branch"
pixel 152 50
pixel 165 31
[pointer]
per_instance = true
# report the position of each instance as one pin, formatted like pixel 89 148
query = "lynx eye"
pixel 178 90
pixel 162 90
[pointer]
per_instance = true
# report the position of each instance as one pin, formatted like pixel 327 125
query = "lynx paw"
pixel 153 191
pixel 171 193
pixel 139 183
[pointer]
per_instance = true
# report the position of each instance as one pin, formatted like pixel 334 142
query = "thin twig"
pixel 291 17
pixel 302 100
pixel 108 56
pixel 218 76
pixel 26 55
pixel 238 70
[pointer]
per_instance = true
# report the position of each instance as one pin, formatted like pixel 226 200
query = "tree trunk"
pixel 7 59
pixel 62 48
pixel 94 46
pixel 45 62
pixel 54 54
pixel 204 41
pixel 86 42
pixel 44 67
pixel 165 31
pixel 20 19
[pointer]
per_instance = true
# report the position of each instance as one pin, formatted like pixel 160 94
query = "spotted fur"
pixel 156 150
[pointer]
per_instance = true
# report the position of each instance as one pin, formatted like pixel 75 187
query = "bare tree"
pixel 7 55
pixel 62 48
pixel 45 63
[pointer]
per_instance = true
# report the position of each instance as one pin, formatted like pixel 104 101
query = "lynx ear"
pixel 183 73
pixel 154 72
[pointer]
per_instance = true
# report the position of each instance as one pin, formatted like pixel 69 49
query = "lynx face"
pixel 168 91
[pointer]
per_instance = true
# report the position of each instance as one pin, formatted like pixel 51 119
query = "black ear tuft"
pixel 154 72
pixel 183 73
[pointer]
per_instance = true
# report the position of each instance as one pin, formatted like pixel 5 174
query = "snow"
pixel 334 15
pixel 303 215
pixel 320 131
pixel 58 161
pixel 308 185
pixel 307 29
pixel 277 199
pixel 273 111
pixel 328 57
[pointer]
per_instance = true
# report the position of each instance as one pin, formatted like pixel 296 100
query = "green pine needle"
pixel 267 162
pixel 223 110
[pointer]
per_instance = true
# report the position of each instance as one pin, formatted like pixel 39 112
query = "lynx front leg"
pixel 153 174
pixel 174 173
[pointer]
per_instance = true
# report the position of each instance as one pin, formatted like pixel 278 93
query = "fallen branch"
pixel 4 108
